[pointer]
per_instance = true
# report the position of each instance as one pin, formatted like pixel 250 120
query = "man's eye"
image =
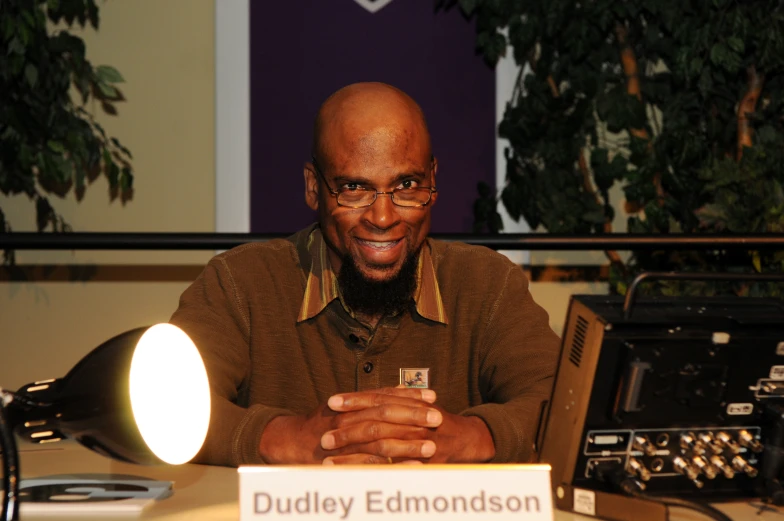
pixel 407 184
pixel 350 187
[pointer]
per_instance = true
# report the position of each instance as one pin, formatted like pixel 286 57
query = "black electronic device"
pixel 682 397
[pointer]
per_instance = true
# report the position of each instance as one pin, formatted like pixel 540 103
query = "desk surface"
pixel 210 493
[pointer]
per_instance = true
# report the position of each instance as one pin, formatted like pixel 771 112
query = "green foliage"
pixel 645 94
pixel 49 143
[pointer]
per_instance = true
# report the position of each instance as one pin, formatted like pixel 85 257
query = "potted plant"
pixel 680 103
pixel 49 142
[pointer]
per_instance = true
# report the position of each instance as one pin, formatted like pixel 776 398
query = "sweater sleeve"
pixel 519 357
pixel 213 314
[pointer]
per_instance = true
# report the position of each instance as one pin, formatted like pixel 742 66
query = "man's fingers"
pixel 391 448
pixel 366 432
pixel 361 459
pixel 356 459
pixel 363 400
pixel 426 395
pixel 392 413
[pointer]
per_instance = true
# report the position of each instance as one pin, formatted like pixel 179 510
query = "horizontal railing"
pixel 506 241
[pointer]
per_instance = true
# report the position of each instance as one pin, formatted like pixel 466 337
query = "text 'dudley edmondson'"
pixel 520 492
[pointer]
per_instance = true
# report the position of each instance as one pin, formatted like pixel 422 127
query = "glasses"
pixel 358 197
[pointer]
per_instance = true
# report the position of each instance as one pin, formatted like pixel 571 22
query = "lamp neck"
pixel 10 457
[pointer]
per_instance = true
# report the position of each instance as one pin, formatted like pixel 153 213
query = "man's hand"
pixel 455 438
pixel 388 423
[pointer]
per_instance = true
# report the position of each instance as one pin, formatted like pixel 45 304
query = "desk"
pixel 207 493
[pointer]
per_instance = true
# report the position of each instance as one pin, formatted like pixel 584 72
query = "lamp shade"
pixel 141 397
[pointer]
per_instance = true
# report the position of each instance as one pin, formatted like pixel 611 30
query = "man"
pixel 306 340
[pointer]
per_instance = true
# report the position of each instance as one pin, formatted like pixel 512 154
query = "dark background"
pixel 304 50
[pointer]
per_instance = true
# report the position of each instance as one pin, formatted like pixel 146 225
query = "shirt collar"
pixel 322 288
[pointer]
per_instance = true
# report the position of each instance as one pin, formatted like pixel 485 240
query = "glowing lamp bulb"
pixel 170 393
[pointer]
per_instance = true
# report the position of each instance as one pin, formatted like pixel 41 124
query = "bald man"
pixel 358 339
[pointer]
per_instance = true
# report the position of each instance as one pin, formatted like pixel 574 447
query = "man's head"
pixel 373 136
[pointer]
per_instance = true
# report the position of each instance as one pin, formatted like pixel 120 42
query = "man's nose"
pixel 383 213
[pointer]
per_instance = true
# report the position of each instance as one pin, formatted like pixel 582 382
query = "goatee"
pixel 378 297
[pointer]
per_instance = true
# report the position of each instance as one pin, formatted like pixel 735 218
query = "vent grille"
pixel 578 342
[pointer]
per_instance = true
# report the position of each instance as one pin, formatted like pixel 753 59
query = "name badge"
pixel 380 492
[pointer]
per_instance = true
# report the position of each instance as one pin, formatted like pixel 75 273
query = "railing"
pixel 83 272
pixel 510 241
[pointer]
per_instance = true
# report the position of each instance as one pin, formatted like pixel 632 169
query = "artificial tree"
pixel 49 142
pixel 679 102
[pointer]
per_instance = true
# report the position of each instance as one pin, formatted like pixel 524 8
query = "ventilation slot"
pixel 578 342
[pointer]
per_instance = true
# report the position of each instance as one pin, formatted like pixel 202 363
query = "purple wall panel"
pixel 303 50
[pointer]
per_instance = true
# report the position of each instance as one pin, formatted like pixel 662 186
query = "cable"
pixel 703 508
pixel 10 463
pixel 613 474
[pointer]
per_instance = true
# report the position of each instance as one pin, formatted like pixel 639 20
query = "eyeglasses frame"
pixel 391 194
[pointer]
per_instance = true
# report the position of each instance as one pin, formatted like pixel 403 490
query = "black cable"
pixel 10 459
pixel 613 474
pixel 703 508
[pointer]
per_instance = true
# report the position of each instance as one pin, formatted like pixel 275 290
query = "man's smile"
pixel 381 253
pixel 379 245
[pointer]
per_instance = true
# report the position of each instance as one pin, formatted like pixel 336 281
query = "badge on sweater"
pixel 416 377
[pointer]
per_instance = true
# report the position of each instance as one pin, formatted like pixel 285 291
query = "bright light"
pixel 170 394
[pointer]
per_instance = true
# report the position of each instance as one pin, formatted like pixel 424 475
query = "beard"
pixel 378 297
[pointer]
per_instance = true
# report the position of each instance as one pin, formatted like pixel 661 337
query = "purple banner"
pixel 303 50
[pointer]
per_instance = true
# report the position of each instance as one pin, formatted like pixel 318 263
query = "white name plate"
pixel 430 492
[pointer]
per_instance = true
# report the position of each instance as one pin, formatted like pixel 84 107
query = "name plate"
pixel 435 492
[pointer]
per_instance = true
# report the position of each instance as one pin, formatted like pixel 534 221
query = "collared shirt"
pixel 494 359
pixel 322 285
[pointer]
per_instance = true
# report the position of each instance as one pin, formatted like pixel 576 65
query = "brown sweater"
pixel 493 358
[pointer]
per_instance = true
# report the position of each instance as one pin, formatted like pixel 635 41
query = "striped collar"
pixel 322 288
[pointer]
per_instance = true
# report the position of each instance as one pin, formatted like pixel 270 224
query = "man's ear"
pixel 434 170
pixel 311 187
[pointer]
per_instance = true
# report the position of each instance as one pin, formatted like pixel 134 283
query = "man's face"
pixel 380 237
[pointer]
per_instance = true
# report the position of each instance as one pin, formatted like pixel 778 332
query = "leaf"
pixel 44 213
pixel 736 44
pixel 15 46
pixel 28 17
pixel 598 157
pixel 80 177
pixel 594 216
pixel 92 14
pixel 468 6
pixel 31 75
pixel 718 53
pixel 706 82
pixel 109 108
pixel 56 146
pixel 113 174
pixel 493 45
pixel 710 214
pixel 722 55
pixel 511 196
pixel 756 261
pixel 767 135
pixel 107 90
pixel 126 179
pixel 108 74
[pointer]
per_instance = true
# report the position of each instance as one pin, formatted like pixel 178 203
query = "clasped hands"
pixel 390 425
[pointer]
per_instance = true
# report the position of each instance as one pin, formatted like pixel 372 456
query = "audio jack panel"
pixel 697 455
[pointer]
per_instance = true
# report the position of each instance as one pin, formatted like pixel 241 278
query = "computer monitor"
pixel 681 397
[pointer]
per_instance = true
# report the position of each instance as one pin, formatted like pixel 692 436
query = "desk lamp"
pixel 141 397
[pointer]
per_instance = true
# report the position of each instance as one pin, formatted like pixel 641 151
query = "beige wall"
pixel 165 50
